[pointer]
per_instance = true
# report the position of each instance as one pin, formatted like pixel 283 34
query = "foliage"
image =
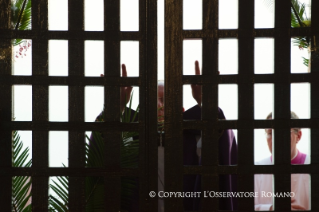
pixel 20 17
pixel 305 61
pixel 298 15
pixel 299 19
pixel 21 185
pixel 59 203
pixel 94 186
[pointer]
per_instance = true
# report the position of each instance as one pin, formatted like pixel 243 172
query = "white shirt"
pixel 300 185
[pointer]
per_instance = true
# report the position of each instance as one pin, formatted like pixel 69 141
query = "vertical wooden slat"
pixel 5 109
pixel 76 149
pixel 39 106
pixel 40 184
pixel 210 182
pixel 5 14
pixel 148 105
pixel 76 106
pixel 314 101
pixel 173 103
pixel 112 100
pixel 245 99
pixel 282 101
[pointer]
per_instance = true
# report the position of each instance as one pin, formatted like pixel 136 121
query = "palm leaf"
pixel 21 185
pixel 56 205
pixel 94 191
pixel 61 190
pixel 298 14
pixel 21 14
pixel 299 19
pixel 20 17
pixel 95 158
pixel 305 61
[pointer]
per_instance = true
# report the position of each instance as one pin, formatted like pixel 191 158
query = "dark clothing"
pixel 227 156
pixel 191 183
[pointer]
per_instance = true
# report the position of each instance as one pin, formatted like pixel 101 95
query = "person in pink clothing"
pixel 300 183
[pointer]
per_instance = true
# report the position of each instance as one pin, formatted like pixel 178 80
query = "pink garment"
pixel 299 159
pixel 300 186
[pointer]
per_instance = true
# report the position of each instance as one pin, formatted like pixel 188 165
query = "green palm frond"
pixel 305 61
pixel 59 204
pixel 94 194
pixel 94 154
pixel 20 17
pixel 297 12
pixel 21 14
pixel 21 185
pixel 94 186
pixel 95 158
pixel 299 19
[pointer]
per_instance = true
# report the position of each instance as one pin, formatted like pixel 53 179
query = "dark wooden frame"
pixel 174 80
pixel 76 81
pixel 147 80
